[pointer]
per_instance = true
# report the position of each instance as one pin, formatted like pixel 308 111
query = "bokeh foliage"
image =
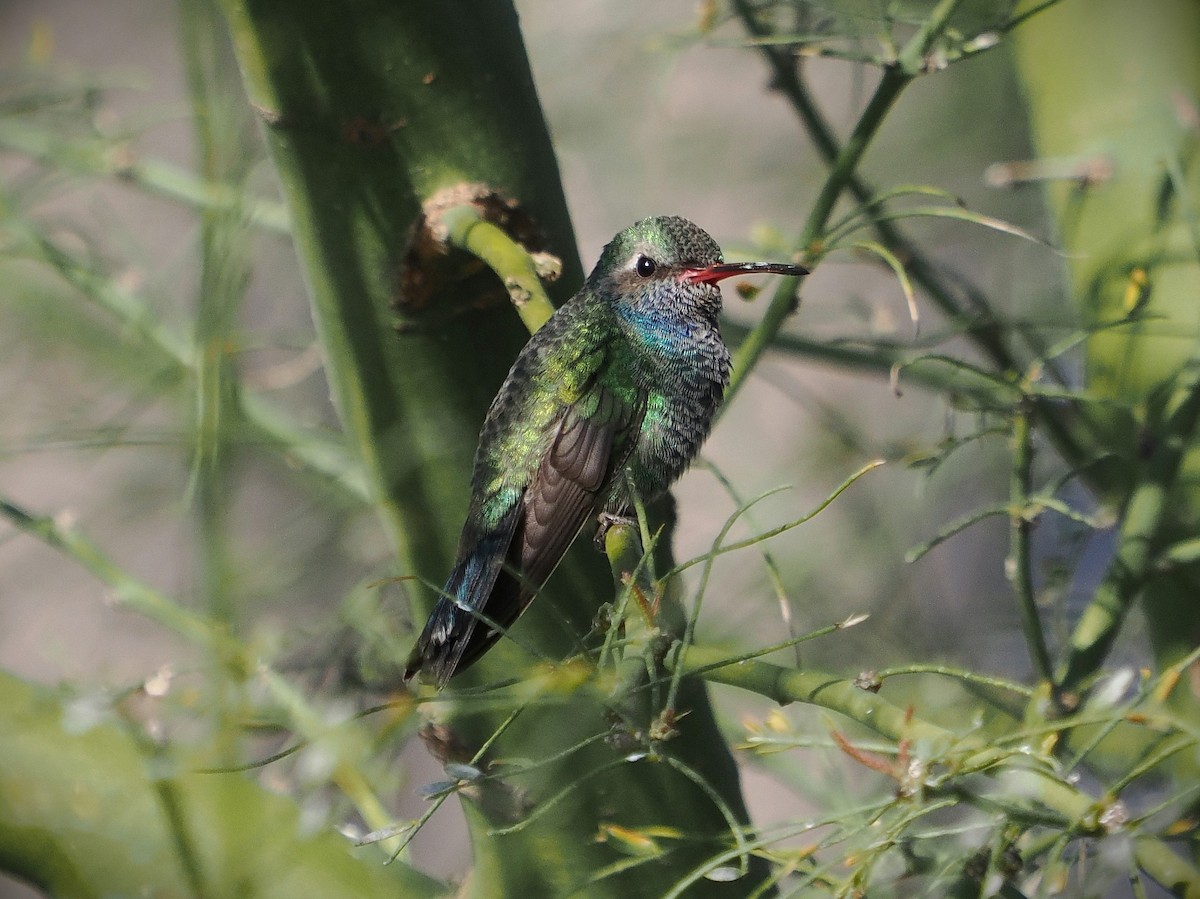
pixel 1068 772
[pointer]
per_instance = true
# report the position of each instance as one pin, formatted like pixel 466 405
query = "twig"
pixel 1021 572
pixel 126 590
pixel 828 691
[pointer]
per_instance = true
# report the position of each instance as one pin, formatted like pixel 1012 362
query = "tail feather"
pixel 455 638
pixel 479 597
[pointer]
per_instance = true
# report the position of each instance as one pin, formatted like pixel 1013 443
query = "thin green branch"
pixel 897 267
pixel 765 838
pixel 789 643
pixel 1022 17
pixel 736 830
pixel 1170 746
pixel 548 803
pixel 958 526
pixel 344 740
pixel 913 58
pixel 1021 567
pixel 719 550
pixel 837 694
pixel 935 373
pixel 962 674
pixel 172 805
pixel 689 636
pixel 408 831
pixel 1067 432
pixel 774 574
pixel 161 347
pixel 783 303
pixel 834 237
pixel 110 159
pixel 126 590
pixel 788 80
pixel 221 157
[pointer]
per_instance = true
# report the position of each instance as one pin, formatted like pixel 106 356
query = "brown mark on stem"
pixel 432 269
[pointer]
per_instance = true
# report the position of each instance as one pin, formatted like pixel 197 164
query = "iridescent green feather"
pixel 626 376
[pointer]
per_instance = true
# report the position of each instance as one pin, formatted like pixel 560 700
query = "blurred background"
pixel 648 117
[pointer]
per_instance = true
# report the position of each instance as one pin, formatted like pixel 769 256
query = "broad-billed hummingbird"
pixel 611 398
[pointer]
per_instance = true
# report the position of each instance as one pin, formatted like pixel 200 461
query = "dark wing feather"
pixel 498 580
pixel 566 491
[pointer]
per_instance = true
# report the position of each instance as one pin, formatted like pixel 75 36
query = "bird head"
pixel 660 253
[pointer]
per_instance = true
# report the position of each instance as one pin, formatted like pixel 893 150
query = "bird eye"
pixel 645 266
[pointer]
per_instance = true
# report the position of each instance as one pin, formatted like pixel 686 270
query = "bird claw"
pixel 607 521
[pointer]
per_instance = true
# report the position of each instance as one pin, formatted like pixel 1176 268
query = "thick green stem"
pixel 372 112
pixel 511 262
pixel 1133 562
pixel 360 141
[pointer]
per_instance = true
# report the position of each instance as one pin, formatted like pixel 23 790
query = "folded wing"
pixel 495 582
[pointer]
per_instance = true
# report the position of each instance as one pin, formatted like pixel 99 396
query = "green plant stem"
pixel 511 262
pixel 960 674
pixel 718 549
pixel 224 275
pixel 783 302
pixel 1021 572
pixel 163 349
pixel 221 156
pixel 895 79
pixel 91 808
pixel 1134 560
pixel 635 587
pixel 126 590
pixel 369 116
pixel 348 743
pixel 1168 869
pixel 912 58
pixel 359 143
pixel 978 319
pixel 1069 434
pixel 828 691
pixel 936 373
pixel 200 631
pixel 1025 15
pixel 105 158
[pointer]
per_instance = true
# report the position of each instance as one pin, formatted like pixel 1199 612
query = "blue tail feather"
pixel 478 588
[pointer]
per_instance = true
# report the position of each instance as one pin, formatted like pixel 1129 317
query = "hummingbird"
pixel 610 399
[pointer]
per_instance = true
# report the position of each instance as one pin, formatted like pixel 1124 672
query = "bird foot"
pixel 608 520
